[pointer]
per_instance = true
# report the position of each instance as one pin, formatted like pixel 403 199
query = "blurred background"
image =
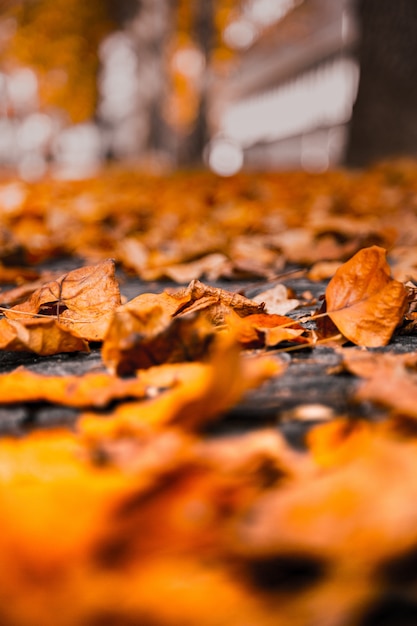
pixel 224 84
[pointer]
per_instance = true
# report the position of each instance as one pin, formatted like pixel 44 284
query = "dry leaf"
pixel 198 296
pixel 347 510
pixel 263 330
pixel 367 364
pixel 276 300
pixel 211 389
pixel 363 301
pixel 44 336
pixel 17 274
pixel 322 270
pixel 83 300
pixel 212 266
pixel 397 392
pixel 148 336
pixel 169 327
pixel 97 390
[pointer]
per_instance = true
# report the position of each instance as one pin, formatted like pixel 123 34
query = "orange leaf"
pixel 79 391
pixel 209 390
pixel 363 301
pixel 202 296
pixel 261 329
pixel 169 327
pixel 83 300
pixel 17 274
pixel 396 391
pixel 149 336
pixel 43 336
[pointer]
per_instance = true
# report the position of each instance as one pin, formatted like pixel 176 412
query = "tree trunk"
pixel 384 122
pixel 142 131
pixel 191 152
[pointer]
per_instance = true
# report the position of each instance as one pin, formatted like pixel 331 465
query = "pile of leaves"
pixel 184 227
pixel 135 515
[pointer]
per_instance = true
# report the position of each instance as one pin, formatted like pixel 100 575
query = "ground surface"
pixel 313 377
pixel 291 506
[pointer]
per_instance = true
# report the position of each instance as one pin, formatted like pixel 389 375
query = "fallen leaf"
pixel 90 389
pixel 169 327
pixel 367 364
pixel 263 330
pixel 17 274
pixel 43 336
pixel 276 300
pixel 148 336
pixel 397 392
pixel 83 300
pixel 212 266
pixel 347 510
pixel 211 389
pixel 322 270
pixel 198 296
pixel 363 301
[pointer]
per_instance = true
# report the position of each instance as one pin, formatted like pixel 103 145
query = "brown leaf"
pixel 360 509
pixel 83 300
pixel 169 327
pixel 363 301
pixel 44 336
pixel 198 296
pixel 148 335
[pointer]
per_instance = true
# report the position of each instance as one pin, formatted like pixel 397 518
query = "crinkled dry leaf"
pixel 198 296
pixel 363 301
pixel 43 336
pixel 83 300
pixel 169 327
pixel 147 335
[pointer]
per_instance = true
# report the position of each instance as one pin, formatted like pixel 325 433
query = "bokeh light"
pixel 225 157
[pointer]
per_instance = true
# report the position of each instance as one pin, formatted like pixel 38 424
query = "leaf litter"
pixel 137 516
